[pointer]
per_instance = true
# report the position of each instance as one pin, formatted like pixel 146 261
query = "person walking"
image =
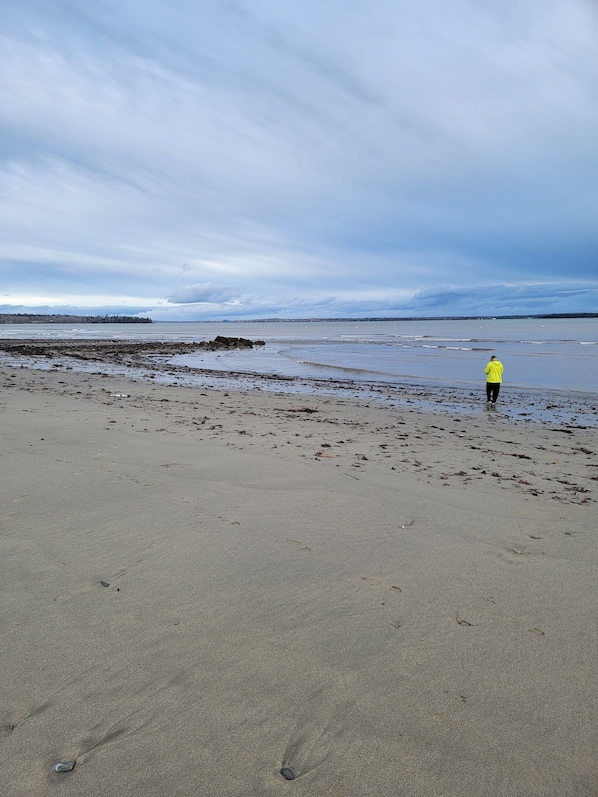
pixel 493 371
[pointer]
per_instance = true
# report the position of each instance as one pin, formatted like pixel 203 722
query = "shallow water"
pixel 537 353
pixel 551 366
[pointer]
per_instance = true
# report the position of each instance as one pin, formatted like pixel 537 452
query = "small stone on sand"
pixel 64 766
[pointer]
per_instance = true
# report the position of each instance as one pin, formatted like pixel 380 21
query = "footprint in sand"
pixel 512 556
pixel 225 519
pixel 470 616
pixel 300 544
pixel 375 581
pixel 102 583
pixel 536 631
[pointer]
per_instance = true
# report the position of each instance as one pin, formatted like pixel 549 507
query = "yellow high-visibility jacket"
pixel 494 371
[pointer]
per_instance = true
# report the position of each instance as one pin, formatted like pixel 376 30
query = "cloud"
pixel 202 293
pixel 213 303
pixel 501 299
pixel 317 155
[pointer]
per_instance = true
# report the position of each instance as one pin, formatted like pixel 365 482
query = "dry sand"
pixel 387 602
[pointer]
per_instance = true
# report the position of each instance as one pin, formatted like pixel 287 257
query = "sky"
pixel 191 160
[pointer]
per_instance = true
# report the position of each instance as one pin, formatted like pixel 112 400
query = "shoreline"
pixel 149 360
pixel 371 409
pixel 203 586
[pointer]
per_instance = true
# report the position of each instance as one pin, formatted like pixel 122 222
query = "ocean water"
pixel 537 354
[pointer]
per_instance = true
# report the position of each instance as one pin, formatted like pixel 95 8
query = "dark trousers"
pixel 492 389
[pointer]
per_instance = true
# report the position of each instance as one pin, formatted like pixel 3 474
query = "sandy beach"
pixel 201 587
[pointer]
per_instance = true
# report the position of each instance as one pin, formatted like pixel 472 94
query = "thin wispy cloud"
pixel 189 160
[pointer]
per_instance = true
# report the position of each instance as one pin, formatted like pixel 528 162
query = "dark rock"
pixel 112 350
pixel 220 341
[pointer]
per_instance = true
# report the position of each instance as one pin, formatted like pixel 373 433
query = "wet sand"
pixel 159 361
pixel 201 587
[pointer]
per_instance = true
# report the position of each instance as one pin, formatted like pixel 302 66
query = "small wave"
pixel 456 340
pixel 494 341
pixel 343 368
pixel 548 342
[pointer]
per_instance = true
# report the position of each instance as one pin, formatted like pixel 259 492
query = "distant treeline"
pixel 32 318
pixel 411 318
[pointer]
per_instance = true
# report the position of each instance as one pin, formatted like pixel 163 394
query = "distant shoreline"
pixel 32 318
pixel 390 318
